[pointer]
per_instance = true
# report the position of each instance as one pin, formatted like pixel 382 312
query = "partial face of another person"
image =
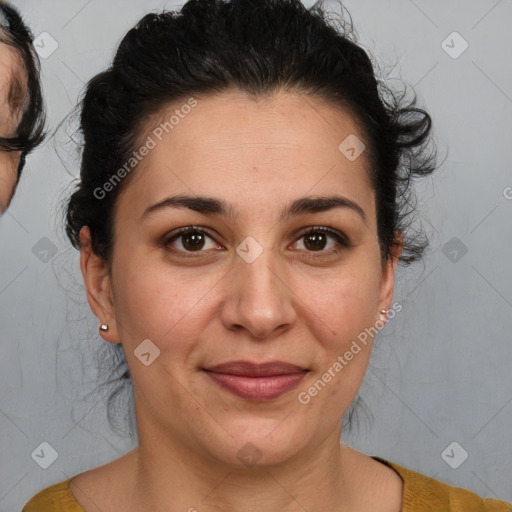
pixel 12 99
pixel 245 277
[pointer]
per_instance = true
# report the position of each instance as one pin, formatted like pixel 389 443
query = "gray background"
pixel 441 371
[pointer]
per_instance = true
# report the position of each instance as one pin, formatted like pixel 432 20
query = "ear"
pixel 98 286
pixel 388 274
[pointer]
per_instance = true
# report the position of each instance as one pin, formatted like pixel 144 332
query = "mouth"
pixel 256 382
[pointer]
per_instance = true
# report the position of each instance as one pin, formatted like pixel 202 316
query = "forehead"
pixel 10 66
pixel 233 125
pixel 257 152
pixel 243 115
pixel 13 86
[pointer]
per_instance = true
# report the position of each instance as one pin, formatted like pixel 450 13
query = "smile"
pixel 257 382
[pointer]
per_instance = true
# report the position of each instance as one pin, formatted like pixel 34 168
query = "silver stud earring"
pixel 104 327
pixel 384 311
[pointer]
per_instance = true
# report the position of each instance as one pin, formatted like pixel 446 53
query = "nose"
pixel 259 297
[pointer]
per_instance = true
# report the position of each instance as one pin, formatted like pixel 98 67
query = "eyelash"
pixel 342 240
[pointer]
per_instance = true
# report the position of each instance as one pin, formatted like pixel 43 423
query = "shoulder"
pixel 102 488
pixel 57 498
pixel 424 493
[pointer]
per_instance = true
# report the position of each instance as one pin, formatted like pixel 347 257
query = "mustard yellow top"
pixel 421 493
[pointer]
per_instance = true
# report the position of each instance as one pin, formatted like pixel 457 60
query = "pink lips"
pixel 253 381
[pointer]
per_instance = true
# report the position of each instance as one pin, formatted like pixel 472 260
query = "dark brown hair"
pixel 27 101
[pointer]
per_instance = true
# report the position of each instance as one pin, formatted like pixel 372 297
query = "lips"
pixel 258 382
pixel 248 369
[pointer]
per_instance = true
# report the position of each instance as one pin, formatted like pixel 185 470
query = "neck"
pixel 171 476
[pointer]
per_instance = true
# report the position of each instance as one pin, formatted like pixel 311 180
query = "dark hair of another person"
pixel 258 47
pixel 30 129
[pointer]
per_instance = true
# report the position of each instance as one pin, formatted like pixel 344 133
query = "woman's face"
pixel 247 284
pixel 9 160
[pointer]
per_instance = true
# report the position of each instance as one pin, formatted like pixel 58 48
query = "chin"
pixel 257 443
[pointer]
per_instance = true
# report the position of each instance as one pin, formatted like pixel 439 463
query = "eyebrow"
pixel 214 206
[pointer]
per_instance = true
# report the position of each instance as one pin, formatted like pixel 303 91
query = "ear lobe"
pixel 388 273
pixel 98 286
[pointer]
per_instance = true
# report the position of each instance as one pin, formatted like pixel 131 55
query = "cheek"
pixel 342 320
pixel 164 304
pixel 342 303
pixel 8 166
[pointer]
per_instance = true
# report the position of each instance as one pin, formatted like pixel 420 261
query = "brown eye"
pixel 317 239
pixel 190 240
pixel 193 241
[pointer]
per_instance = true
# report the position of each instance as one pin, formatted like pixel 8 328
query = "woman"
pixel 243 205
pixel 21 102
